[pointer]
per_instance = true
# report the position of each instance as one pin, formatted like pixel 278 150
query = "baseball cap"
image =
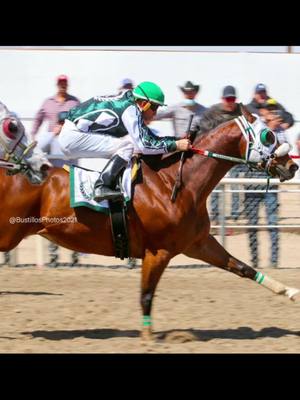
pixel 126 82
pixel 229 91
pixel 260 87
pixel 270 104
pixel 62 78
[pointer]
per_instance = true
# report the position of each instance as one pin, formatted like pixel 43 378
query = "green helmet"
pixel 149 91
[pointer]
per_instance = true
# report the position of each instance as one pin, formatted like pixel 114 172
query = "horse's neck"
pixel 205 173
pixel 10 185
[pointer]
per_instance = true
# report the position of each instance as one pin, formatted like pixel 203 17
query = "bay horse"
pixel 158 229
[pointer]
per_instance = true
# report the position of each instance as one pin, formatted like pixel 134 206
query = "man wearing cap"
pixel 52 106
pixel 50 111
pixel 113 127
pixel 180 113
pixel 260 100
pixel 126 84
pixel 217 114
pixel 221 112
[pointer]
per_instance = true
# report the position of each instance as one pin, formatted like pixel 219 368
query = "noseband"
pixel 258 155
pixel 12 161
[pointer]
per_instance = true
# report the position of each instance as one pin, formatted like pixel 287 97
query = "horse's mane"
pixel 159 161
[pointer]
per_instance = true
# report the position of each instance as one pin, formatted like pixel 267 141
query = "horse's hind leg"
pixel 212 252
pixel 152 269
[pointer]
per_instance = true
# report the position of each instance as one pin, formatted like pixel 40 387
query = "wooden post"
pixel 40 253
pixel 12 258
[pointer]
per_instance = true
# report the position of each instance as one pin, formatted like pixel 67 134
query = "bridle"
pixel 258 149
pixel 11 161
pixel 258 155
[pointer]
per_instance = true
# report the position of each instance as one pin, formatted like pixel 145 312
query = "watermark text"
pixel 43 220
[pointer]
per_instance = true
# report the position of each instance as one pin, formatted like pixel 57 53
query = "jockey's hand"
pixel 183 144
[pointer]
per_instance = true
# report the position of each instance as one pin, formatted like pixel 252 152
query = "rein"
pixel 251 164
pixel 249 136
pixel 211 154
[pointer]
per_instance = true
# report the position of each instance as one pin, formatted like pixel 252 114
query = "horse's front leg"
pixel 213 253
pixel 153 266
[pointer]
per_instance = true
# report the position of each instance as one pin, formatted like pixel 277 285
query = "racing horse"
pixel 158 228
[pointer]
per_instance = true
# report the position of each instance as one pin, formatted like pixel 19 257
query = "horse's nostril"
pixel 293 168
pixel 44 168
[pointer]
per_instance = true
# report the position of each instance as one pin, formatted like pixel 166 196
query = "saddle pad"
pixel 82 183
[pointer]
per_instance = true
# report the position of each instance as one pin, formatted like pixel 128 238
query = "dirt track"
pixel 90 310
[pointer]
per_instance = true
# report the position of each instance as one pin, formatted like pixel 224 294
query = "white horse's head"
pixel 18 153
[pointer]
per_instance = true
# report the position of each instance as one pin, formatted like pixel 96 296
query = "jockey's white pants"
pixel 77 144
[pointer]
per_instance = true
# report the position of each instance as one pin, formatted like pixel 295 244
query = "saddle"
pixel 82 183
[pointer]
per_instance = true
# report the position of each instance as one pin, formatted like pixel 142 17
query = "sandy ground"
pixel 90 310
pixel 196 310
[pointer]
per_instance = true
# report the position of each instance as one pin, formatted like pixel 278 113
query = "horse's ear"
pixel 246 113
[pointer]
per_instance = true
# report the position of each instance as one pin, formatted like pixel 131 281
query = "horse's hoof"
pixel 292 293
pixel 147 336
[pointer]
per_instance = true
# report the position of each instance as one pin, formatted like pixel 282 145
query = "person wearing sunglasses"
pixel 114 127
pixel 224 111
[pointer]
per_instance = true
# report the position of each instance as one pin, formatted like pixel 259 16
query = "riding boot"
pixel 106 183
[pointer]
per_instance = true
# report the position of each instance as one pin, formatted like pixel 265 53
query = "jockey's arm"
pixel 144 139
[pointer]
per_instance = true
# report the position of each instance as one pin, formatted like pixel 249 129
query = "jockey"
pixel 114 127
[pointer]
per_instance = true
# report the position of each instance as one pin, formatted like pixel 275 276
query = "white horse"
pixel 18 153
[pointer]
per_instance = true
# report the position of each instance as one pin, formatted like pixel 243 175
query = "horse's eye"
pixel 267 137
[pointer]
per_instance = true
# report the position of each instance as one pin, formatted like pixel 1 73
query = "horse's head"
pixel 17 152
pixel 262 147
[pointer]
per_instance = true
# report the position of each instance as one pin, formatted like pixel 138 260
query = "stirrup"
pixel 104 193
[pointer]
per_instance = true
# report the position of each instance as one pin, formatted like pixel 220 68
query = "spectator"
pixel 214 116
pixel 221 112
pixel 260 98
pixel 126 84
pixel 49 112
pixel 297 144
pixel 180 113
pixel 48 142
pixel 269 199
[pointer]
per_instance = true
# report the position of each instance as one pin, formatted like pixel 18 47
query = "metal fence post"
pixel 222 216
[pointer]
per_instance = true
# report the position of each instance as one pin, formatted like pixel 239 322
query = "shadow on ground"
pixel 241 333
pixel 86 333
pixel 31 293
